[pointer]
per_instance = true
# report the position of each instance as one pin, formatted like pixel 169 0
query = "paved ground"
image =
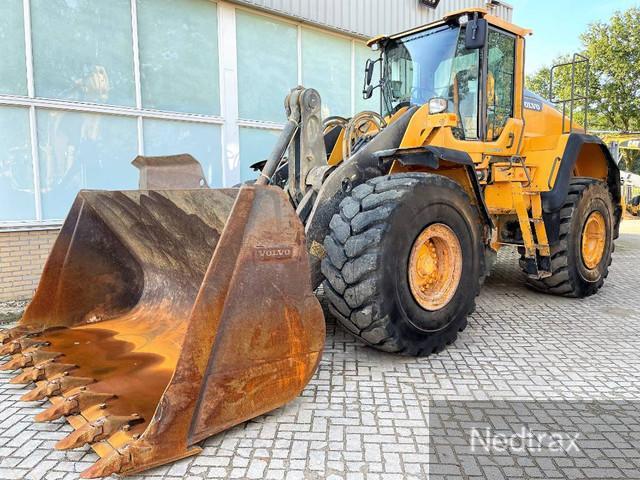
pixel 550 363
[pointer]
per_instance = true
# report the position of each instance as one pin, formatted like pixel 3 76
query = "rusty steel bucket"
pixel 165 317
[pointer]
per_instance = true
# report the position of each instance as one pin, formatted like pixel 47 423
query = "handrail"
pixel 577 60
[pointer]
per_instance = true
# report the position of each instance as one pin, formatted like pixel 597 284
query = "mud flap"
pixel 165 317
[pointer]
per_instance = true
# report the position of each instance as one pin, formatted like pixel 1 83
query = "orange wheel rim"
pixel 594 238
pixel 435 267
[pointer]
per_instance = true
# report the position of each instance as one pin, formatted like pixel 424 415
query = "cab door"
pixel 500 80
pixel 499 113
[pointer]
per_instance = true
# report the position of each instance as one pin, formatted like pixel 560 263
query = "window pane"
pixel 502 52
pixel 201 140
pixel 255 145
pixel 326 66
pixel 267 50
pixel 13 70
pixel 364 53
pixel 17 201
pixel 83 50
pixel 82 150
pixel 465 82
pixel 179 55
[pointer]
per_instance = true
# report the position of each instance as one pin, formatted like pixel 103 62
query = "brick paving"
pixel 367 414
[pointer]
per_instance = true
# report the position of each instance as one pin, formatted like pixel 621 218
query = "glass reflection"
pixel 83 50
pixel 17 199
pixel 82 150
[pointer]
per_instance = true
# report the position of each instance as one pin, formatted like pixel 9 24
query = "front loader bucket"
pixel 164 317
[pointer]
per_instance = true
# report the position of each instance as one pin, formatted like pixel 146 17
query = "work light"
pixel 438 105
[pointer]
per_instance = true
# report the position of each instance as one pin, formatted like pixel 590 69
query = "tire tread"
pixel 352 260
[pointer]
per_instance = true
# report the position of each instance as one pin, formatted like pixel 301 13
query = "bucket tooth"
pixel 47 371
pixel 17 361
pixel 30 375
pixel 40 356
pixel 74 405
pixel 29 359
pixel 17 346
pixel 97 431
pixel 115 462
pixel 38 393
pixel 54 369
pixel 56 386
pixel 10 348
pixel 63 384
pixel 13 333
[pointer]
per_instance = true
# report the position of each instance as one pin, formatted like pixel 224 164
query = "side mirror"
pixel 368 72
pixel 476 34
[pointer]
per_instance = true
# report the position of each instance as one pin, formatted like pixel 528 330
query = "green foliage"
pixel 614 51
pixel 539 82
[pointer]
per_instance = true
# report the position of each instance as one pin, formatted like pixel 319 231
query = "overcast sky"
pixel 557 24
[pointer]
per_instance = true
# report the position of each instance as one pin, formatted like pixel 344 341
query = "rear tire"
pixel 571 275
pixel 367 264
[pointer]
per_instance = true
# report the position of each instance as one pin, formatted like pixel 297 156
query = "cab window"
pixel 500 78
pixel 465 79
pixel 434 64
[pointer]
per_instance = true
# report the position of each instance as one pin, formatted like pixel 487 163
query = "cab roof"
pixel 482 12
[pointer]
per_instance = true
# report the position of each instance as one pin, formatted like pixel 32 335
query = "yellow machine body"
pixel 523 163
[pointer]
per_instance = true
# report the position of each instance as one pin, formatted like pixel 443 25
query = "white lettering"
pixel 523 442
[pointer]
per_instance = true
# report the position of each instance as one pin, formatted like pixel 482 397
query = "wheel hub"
pixel 594 239
pixel 435 267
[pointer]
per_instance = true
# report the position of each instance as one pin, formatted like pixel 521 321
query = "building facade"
pixel 87 85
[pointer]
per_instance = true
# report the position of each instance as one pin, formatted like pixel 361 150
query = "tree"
pixel 539 81
pixel 614 51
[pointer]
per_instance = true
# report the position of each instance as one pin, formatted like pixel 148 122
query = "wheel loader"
pixel 171 313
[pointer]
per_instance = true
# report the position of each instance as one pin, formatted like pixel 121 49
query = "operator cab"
pixel 464 64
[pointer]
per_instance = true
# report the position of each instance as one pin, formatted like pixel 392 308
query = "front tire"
pixel 386 230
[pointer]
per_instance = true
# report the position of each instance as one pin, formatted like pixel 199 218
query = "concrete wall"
pixel 22 257
pixel 368 18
